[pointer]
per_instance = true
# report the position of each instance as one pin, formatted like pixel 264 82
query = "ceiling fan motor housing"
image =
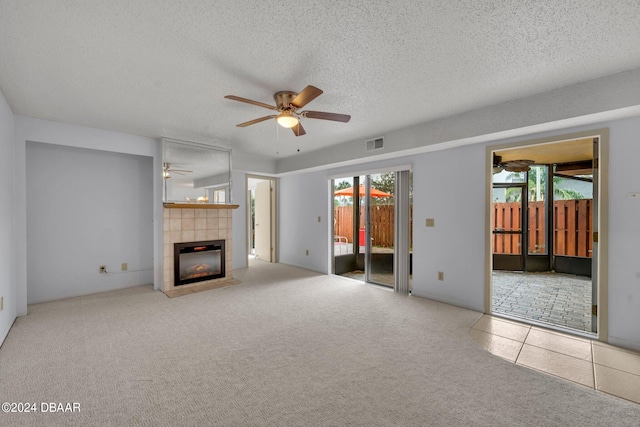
pixel 283 100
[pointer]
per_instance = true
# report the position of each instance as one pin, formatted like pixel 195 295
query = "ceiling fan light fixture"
pixel 287 120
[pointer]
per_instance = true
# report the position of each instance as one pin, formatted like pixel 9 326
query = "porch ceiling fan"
pixel 287 105
pixel 522 165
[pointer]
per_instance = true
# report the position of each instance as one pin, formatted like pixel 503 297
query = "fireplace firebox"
pixel 198 261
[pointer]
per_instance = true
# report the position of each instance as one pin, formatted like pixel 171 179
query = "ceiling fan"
pixel 522 165
pixel 287 105
pixel 167 171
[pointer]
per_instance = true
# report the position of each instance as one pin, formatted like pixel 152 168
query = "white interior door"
pixel 263 221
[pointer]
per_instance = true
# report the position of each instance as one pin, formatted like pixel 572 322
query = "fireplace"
pixel 198 261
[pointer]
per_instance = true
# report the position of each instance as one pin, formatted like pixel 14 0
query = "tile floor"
pixel 588 362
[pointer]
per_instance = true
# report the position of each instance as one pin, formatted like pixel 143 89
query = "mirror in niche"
pixel 195 173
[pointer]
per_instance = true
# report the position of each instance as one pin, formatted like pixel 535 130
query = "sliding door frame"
pixel 401 224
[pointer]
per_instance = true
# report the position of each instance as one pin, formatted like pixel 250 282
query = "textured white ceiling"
pixel 161 68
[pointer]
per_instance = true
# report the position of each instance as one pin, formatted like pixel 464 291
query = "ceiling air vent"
pixel 375 144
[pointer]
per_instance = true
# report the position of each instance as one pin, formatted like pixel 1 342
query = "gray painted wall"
pixel 624 234
pixel 7 196
pixel 456 245
pixel 239 218
pixel 607 98
pixel 304 198
pixel 61 134
pixel 87 208
pixel 449 187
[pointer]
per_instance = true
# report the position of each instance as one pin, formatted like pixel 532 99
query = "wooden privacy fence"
pixel 382 218
pixel 571 228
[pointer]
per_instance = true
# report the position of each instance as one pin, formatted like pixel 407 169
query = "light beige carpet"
pixel 286 347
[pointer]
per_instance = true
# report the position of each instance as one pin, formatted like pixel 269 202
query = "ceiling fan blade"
pixel 298 130
pixel 344 118
pixel 250 101
pixel 307 95
pixel 254 121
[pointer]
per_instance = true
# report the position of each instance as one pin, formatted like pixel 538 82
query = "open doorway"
pixel 544 233
pixel 261 219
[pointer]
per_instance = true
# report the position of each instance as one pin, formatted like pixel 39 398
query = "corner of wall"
pixel 239 218
pixel 7 219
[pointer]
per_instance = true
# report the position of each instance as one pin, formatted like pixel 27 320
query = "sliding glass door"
pixel 348 227
pixel 371 223
pixel 379 228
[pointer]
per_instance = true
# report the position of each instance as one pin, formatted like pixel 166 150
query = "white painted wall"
pixel 449 186
pixel 7 240
pixel 87 208
pixel 36 130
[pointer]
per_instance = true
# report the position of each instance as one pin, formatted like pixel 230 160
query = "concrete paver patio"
pixel 553 298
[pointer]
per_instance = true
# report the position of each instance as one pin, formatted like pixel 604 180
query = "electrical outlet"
pixel 1 303
pixel 307 252
pixel 431 222
pixel 103 269
pixel 124 266
pixel 318 219
pixel 440 275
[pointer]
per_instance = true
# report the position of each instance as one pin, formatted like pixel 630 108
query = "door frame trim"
pixel 274 215
pixel 603 217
